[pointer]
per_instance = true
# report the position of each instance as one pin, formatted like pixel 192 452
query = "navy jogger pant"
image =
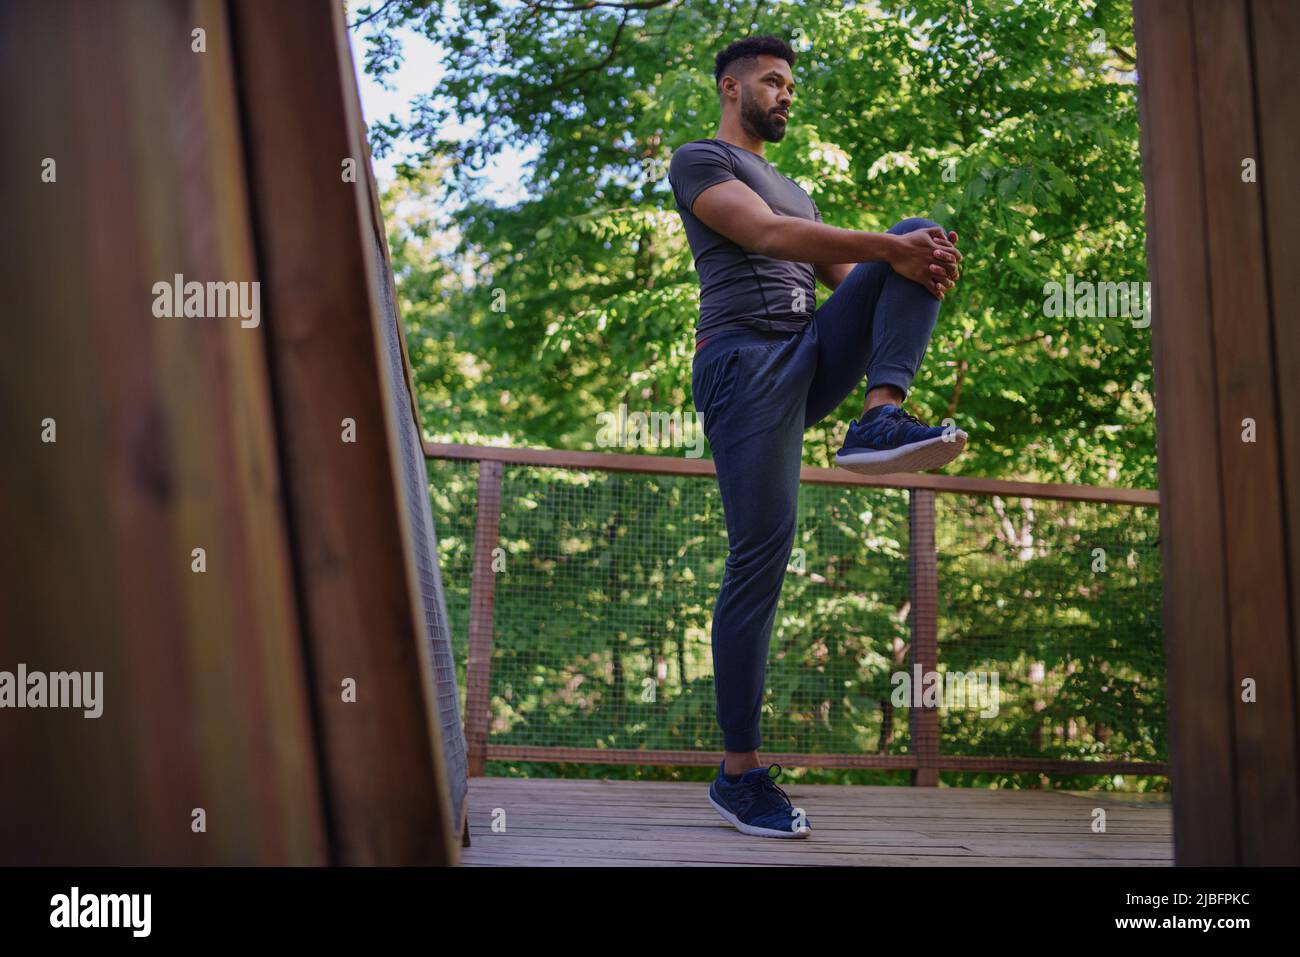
pixel 755 393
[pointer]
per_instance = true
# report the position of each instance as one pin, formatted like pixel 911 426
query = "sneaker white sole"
pixel 930 454
pixel 751 829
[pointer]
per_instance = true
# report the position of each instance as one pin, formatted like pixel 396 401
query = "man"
pixel 769 364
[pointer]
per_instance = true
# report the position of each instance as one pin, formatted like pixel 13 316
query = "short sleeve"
pixel 695 167
pixel 817 213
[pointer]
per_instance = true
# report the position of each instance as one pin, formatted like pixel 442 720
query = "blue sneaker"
pixel 891 440
pixel 756 804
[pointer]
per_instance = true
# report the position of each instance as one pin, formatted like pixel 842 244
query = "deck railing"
pixel 927 622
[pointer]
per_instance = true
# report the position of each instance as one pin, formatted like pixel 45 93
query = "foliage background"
pixel 526 321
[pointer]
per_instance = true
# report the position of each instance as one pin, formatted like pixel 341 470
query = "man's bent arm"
pixel 802 240
pixel 737 212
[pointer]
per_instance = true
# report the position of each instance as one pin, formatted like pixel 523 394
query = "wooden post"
pixel 1218 113
pixel 923 723
pixel 166 443
pixel 354 549
pixel 478 668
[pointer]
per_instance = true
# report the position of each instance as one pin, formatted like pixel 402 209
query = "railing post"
pixel 923 722
pixel 482 598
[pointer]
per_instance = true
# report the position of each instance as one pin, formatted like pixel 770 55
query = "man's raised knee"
pixel 912 224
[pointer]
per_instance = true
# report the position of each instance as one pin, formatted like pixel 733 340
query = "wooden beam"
pixel 165 443
pixel 1265 733
pixel 353 549
pixel 1228 617
pixel 1195 614
pixel 1275 33
pixel 669 465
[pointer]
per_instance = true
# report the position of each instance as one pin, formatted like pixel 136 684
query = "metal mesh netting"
pixel 421 523
pixel 1061 600
pixel 605 585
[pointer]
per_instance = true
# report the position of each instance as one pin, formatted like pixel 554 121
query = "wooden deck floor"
pixel 578 823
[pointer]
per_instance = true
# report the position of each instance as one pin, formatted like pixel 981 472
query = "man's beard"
pixel 763 124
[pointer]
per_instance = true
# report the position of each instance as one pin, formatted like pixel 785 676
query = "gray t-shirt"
pixel 739 287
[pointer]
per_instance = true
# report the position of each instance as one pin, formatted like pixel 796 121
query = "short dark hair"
pixel 750 48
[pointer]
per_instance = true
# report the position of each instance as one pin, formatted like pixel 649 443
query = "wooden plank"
pixel 868 817
pixel 1267 775
pixel 923 620
pixel 627 798
pixel 478 667
pixel 165 443
pixel 1275 32
pixel 870 821
pixel 1010 802
pixel 619 804
pixel 380 237
pixel 623 809
pixel 896 762
pixel 1200 678
pixel 359 595
pixel 575 861
pixel 667 465
pixel 719 842
pixel 837 828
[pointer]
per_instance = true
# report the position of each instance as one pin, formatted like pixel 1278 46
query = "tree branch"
pixel 592 4
pixel 1011 345
pixel 370 16
pixel 956 390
